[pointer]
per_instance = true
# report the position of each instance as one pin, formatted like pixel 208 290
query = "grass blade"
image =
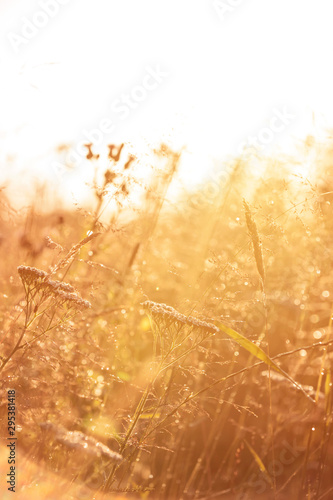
pixel 259 462
pixel 260 354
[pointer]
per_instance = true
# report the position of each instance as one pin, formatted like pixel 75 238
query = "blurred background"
pixel 166 194
pixel 206 76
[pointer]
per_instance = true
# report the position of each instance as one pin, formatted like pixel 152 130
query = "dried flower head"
pixel 109 177
pixel 63 292
pixel 57 286
pixel 168 312
pixel 80 441
pixel 114 154
pixel 72 299
pixel 90 155
pixel 130 160
pixel 31 275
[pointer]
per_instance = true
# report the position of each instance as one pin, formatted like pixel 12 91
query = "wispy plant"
pixel 254 235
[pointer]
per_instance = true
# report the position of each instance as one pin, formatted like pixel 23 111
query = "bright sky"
pixel 203 74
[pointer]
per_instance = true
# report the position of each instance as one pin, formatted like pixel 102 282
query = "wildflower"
pixel 80 441
pixel 113 154
pixel 72 299
pixel 109 177
pixel 124 189
pixel 58 285
pixel 131 158
pixel 169 312
pixel 64 292
pixel 31 275
pixel 90 155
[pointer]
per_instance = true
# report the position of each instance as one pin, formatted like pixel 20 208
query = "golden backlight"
pixel 166 283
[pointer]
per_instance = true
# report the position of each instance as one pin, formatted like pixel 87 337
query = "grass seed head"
pixel 252 227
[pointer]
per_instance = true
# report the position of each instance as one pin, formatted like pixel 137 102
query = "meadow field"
pixel 176 347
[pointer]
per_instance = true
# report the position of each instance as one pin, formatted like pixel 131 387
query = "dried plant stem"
pixel 257 249
pixel 68 259
pixel 16 348
pixel 252 227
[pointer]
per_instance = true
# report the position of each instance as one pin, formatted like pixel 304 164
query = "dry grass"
pixel 133 341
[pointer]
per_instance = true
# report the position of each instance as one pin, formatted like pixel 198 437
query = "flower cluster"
pixel 57 286
pixel 31 275
pixel 72 299
pixel 64 292
pixel 80 441
pixel 168 312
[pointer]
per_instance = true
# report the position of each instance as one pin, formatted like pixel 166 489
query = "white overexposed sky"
pixel 227 71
